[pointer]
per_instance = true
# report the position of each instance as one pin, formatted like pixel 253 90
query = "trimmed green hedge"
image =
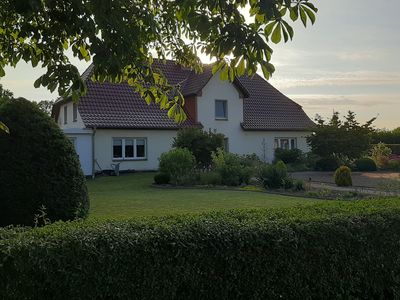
pixel 335 250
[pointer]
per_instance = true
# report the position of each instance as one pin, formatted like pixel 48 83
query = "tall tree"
pixel 46 106
pixel 122 36
pixel 347 138
pixel 6 95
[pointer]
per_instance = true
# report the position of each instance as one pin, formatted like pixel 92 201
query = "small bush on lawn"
pixel 327 164
pixel 210 178
pixel 179 164
pixel 200 143
pixel 274 176
pixel 39 168
pixel 231 168
pixel 162 178
pixel 365 164
pixel 292 156
pixel 327 251
pixel 380 154
pixel 299 185
pixel 343 176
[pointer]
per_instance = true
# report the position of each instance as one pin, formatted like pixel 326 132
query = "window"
pixel 226 144
pixel 285 143
pixel 129 153
pixel 129 148
pixel 117 148
pixel 74 112
pixel 140 148
pixel 65 114
pixel 221 109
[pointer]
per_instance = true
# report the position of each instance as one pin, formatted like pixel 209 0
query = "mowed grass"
pixel 133 195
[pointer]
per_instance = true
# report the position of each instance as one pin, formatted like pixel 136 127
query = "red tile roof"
pixel 268 109
pixel 108 105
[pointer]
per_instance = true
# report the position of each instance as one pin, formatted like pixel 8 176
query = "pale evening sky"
pixel 349 60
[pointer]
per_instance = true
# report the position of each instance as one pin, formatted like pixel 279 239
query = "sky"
pixel 349 60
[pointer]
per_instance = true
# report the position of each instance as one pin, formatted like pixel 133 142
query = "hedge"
pixel 395 148
pixel 338 250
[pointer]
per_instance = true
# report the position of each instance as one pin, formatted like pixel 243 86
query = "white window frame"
pixel 278 142
pixel 226 109
pixel 74 112
pixel 135 157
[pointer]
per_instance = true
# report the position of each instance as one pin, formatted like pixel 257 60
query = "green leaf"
pixel 267 69
pixel 171 111
pixel 223 75
pixel 285 34
pixel 85 53
pixel 268 29
pixel 294 14
pixel 241 69
pixel 303 16
pixel 37 82
pixel 217 66
pixel 2 72
pixel 4 128
pixel 231 73
pixel 310 14
pixel 65 45
pixel 276 35
pixel 289 29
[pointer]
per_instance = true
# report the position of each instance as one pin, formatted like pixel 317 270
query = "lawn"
pixel 133 195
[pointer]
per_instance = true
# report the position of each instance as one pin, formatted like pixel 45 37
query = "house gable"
pixel 67 118
pixel 229 98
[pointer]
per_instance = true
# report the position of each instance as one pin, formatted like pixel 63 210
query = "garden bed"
pixel 322 193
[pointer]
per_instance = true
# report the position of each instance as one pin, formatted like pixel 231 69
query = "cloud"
pixel 361 100
pixel 357 78
pixel 358 55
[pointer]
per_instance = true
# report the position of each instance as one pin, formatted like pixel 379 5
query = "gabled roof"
pixel 109 105
pixel 268 109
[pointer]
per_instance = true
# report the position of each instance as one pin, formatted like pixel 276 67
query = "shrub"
pixel 380 154
pixel 326 164
pixel 393 165
pixel 162 178
pixel 287 183
pixel 179 164
pixel 365 164
pixel 210 178
pixel 231 168
pixel 292 156
pixel 394 147
pixel 310 160
pixel 274 176
pixel 343 176
pixel 200 143
pixel 299 185
pixel 301 253
pixel 38 168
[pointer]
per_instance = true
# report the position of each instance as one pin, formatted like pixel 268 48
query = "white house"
pixel 113 124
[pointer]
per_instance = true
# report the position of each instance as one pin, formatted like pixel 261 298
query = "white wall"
pixel 217 89
pixel 240 141
pixel 262 142
pixel 158 141
pixel 70 124
pixel 83 147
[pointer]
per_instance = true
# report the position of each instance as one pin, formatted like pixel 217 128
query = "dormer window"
pixel 74 112
pixel 221 110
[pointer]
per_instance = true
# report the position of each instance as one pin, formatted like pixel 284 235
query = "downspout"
pixel 93 152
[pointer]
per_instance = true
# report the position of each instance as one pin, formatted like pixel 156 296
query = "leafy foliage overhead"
pixel 121 37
